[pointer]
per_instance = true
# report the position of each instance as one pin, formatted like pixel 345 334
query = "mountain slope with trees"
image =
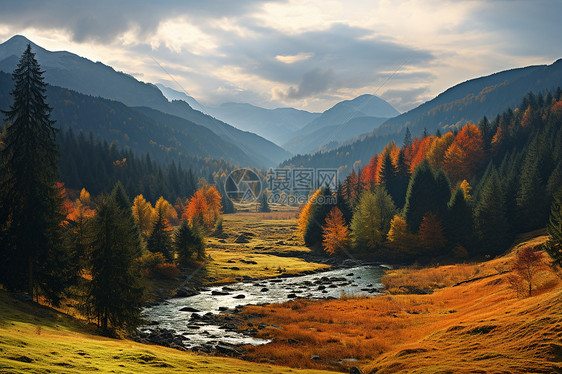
pixel 70 71
pixel 464 103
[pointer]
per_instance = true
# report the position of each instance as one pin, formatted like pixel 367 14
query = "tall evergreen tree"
pixel 426 193
pixel 32 253
pixel 115 294
pixel 491 224
pixel 188 242
pixel 554 227
pixel 264 205
pixel 407 138
pixel 160 239
pixel 320 209
pixel 459 224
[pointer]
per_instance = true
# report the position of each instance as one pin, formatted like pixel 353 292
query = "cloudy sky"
pixel 307 54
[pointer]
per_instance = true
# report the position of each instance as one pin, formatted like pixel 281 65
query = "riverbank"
pixel 469 320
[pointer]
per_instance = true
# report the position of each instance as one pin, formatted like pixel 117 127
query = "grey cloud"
pixel 104 20
pixel 313 82
pixel 404 100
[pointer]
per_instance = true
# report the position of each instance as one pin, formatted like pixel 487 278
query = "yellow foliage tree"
pixel 305 213
pixel 465 187
pixel 144 214
pixel 399 237
pixel 167 210
pixel 335 233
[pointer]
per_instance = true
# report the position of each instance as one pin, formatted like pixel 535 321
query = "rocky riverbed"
pixel 206 319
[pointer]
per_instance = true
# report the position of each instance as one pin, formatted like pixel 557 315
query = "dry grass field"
pixel 479 326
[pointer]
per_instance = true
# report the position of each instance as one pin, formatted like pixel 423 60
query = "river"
pixel 361 280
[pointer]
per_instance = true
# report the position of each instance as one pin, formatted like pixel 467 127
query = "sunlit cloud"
pixel 291 59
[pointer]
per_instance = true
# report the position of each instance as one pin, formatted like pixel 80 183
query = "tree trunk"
pixel 30 276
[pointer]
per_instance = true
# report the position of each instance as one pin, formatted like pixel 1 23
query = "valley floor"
pixel 473 322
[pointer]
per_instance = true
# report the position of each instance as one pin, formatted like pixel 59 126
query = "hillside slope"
pixel 39 340
pixel 471 322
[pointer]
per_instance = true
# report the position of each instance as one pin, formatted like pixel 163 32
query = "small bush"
pixel 166 270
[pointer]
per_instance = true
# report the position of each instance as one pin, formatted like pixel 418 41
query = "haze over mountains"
pixel 82 75
pixel 170 123
pixel 466 102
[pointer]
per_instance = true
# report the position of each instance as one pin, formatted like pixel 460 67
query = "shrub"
pixel 166 270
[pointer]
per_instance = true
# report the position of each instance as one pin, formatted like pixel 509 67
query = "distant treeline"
pixel 97 166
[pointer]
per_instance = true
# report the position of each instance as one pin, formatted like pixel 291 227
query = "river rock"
pixel 223 308
pixel 219 293
pixel 315 358
pixel 265 289
pixel 241 296
pixel 189 309
pixel 291 296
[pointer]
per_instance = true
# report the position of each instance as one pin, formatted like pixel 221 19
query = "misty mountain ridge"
pixel 339 125
pixel 68 70
pixel 463 103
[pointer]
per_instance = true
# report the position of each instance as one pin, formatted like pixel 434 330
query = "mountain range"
pixel 73 72
pixel 463 103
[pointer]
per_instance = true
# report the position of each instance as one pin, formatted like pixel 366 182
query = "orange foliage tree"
pixel 527 264
pixel 306 212
pixel 399 237
pixel 465 155
pixel 431 232
pixel 204 207
pixel 335 236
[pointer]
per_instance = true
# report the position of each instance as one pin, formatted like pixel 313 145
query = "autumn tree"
pixel 431 234
pixel 144 215
pixel 114 295
pixel 204 207
pixel 335 236
pixel 167 209
pixel 400 239
pixel 371 221
pixel 527 264
pixel 305 213
pixel 33 256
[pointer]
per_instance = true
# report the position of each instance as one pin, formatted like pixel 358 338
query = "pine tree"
pixel 188 242
pixel 426 193
pixel 121 198
pixel 491 224
pixel 407 138
pixel 319 211
pixel 160 239
pixel 264 205
pixel 459 224
pixel 554 227
pixel 32 253
pixel 114 297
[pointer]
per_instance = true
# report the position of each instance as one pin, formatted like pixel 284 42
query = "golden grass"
pixel 39 340
pixel 272 243
pixel 477 326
